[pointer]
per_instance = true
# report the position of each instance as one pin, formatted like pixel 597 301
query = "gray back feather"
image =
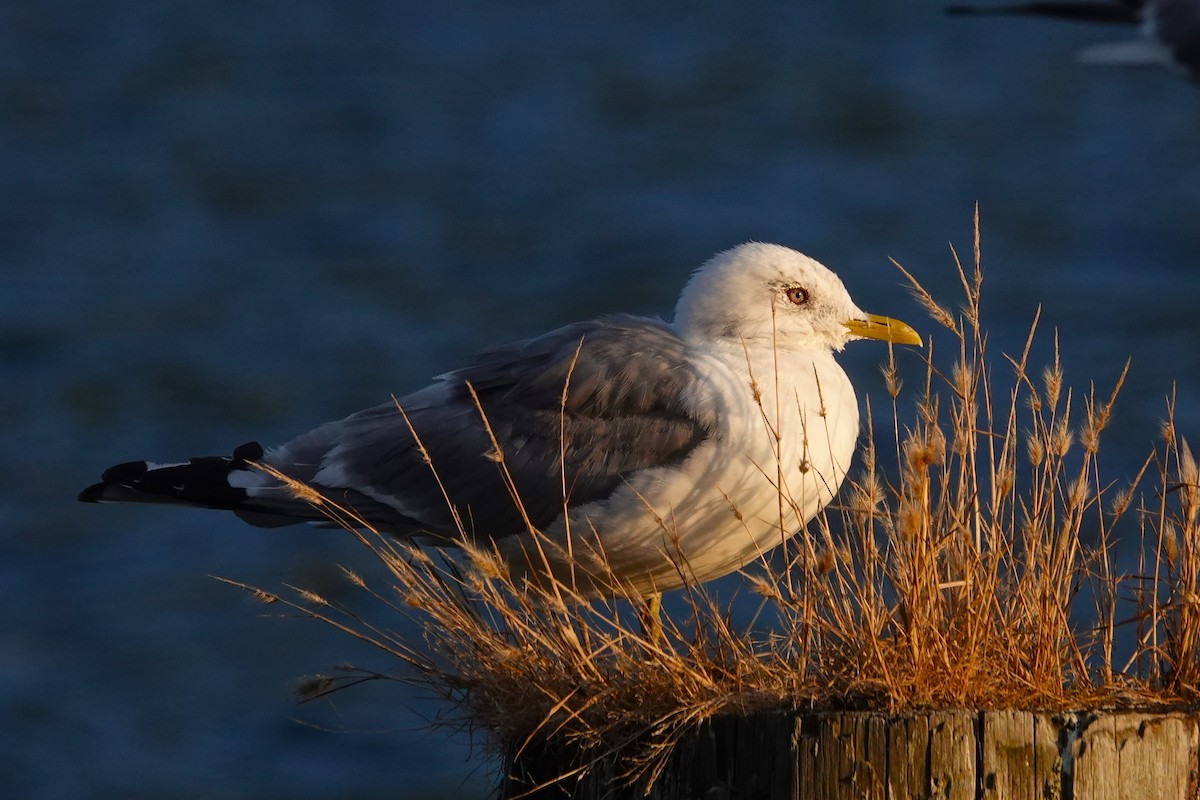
pixel 625 409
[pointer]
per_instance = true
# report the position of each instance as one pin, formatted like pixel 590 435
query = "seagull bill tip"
pixel 886 329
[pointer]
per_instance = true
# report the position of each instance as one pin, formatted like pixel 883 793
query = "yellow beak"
pixel 883 328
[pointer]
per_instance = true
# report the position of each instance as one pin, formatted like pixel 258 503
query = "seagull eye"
pixel 796 295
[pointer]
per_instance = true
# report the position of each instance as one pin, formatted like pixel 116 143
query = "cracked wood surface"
pixel 950 755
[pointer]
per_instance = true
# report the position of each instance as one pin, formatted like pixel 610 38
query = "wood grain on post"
pixel 953 755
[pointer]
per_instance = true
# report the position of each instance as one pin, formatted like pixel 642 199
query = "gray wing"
pixel 626 409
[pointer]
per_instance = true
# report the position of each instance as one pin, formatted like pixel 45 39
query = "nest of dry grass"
pixel 969 562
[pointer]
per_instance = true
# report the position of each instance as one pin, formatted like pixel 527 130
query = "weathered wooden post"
pixel 953 755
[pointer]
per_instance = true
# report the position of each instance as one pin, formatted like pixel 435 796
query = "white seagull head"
pixel 769 294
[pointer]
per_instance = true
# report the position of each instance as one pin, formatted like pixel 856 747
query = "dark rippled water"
pixel 223 221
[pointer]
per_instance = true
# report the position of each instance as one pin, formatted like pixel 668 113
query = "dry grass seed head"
pixel 1052 379
pixel 1119 500
pixel 891 376
pixel 1089 436
pixel 922 296
pixel 1034 401
pixel 1035 448
pixel 1078 493
pixel 1169 536
pixel 266 598
pixel 1061 438
pixel 310 597
pixel 486 562
pixel 962 379
pixel 1188 472
pixel 923 448
pixel 866 496
pixel 1189 483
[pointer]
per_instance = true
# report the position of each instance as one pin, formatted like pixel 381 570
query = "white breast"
pixel 736 497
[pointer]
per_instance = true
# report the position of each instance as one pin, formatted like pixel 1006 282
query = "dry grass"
pixel 968 563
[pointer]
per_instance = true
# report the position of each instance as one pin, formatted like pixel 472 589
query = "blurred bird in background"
pixel 1170 29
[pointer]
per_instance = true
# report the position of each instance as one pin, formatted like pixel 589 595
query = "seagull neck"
pixel 731 336
pixel 739 352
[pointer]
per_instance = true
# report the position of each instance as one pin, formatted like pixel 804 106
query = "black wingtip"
pixel 200 481
pixel 250 451
pixel 117 475
pixel 93 493
pixel 126 472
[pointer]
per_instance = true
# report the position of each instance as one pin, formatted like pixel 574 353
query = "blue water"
pixel 223 221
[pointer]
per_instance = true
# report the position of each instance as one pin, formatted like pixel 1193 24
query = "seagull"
pixel 1170 29
pixel 618 454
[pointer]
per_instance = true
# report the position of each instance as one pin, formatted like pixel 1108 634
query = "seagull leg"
pixel 651 619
